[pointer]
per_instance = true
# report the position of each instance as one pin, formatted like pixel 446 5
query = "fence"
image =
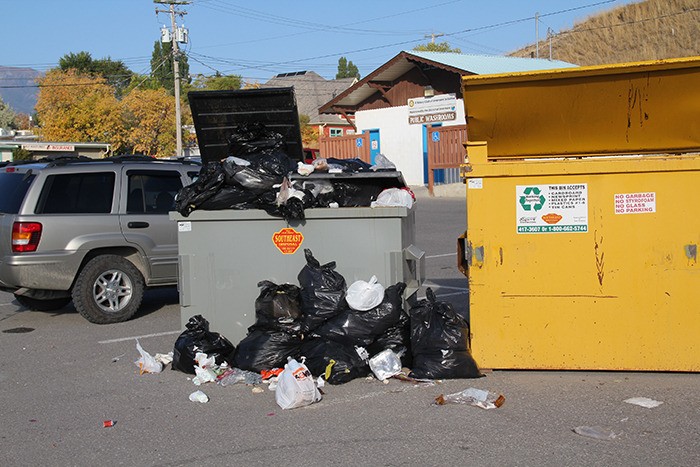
pixel 346 147
pixel 445 151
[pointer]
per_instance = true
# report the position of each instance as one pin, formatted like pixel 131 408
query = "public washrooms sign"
pixel 551 208
pixel 287 240
pixel 440 108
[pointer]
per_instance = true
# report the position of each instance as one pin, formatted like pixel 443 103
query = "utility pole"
pixel 175 37
pixel 537 35
pixel 433 36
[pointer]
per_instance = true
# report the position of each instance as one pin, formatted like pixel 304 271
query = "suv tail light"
pixel 25 236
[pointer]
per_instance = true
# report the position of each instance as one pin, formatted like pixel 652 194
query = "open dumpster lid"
pixel 629 108
pixel 217 114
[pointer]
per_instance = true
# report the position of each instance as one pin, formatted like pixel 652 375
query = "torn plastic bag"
pixel 363 327
pixel 265 349
pixel 439 341
pixel 296 386
pixel 385 364
pixel 278 307
pixel 363 295
pixel 322 292
pixel 335 362
pixel 211 178
pixel 146 362
pixel 198 338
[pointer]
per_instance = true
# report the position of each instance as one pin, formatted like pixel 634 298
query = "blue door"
pixel 439 174
pixel 374 148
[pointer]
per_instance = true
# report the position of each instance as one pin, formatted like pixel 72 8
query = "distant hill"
pixel 647 30
pixel 17 88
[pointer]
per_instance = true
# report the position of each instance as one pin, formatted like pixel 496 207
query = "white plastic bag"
pixel 385 364
pixel 363 296
pixel 147 363
pixel 295 386
pixel 382 162
pixel 393 197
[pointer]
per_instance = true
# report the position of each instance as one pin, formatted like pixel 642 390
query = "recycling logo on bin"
pixel 532 199
pixel 287 240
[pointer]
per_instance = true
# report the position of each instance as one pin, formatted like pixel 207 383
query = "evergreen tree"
pixel 346 69
pixel 162 66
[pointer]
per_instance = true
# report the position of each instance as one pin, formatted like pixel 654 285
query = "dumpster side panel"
pixel 621 295
pixel 224 254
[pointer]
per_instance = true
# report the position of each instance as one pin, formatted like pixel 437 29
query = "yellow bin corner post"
pixel 582 217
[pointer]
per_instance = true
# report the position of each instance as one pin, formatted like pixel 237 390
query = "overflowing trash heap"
pixel 258 175
pixel 336 331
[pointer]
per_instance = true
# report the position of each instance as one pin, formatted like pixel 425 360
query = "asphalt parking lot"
pixel 62 377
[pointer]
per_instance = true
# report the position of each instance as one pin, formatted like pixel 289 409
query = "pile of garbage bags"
pixel 337 330
pixel 257 176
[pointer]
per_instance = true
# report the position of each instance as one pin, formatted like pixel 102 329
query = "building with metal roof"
pixel 394 102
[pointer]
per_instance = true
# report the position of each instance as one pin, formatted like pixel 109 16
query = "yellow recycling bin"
pixel 583 217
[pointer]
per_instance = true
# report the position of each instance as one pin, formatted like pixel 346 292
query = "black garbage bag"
pixel 444 364
pixel 350 165
pixel 229 197
pixel 322 292
pixel 439 336
pixel 361 328
pixel 255 181
pixel 278 307
pixel 211 178
pixel 396 338
pixel 264 349
pixel 346 363
pixel 251 138
pixel 198 338
pixel 272 162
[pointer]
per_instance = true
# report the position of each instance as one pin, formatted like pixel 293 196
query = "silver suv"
pixel 95 231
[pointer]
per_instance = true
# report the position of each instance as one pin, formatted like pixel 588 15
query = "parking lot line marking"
pixel 122 339
pixel 440 256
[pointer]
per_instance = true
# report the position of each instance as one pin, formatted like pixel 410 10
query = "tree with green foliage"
pixel 114 72
pixel 346 69
pixel 218 82
pixel 162 66
pixel 21 154
pixel 437 47
pixel 7 115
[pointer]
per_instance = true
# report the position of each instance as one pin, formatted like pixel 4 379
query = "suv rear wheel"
pixel 38 304
pixel 109 289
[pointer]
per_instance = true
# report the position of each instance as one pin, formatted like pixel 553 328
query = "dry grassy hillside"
pixel 647 30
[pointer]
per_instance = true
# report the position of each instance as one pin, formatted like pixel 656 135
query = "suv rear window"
pixel 78 193
pixel 13 187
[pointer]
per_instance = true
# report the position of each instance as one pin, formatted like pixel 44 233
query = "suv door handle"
pixel 137 225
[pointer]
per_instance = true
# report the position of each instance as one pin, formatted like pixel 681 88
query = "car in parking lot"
pixel 94 231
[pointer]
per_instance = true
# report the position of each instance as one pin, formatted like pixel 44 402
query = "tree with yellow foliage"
pixel 75 107
pixel 149 117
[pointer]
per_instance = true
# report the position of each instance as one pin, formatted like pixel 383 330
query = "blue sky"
pixel 260 39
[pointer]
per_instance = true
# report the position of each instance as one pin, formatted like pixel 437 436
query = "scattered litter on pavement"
pixel 257 390
pixel 236 375
pixel 146 362
pixel 472 396
pixel 643 402
pixel 116 359
pixel 595 432
pixel 296 387
pixel 164 358
pixel 108 423
pixel 199 396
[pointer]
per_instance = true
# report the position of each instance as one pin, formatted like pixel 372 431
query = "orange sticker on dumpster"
pixel 551 218
pixel 287 240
